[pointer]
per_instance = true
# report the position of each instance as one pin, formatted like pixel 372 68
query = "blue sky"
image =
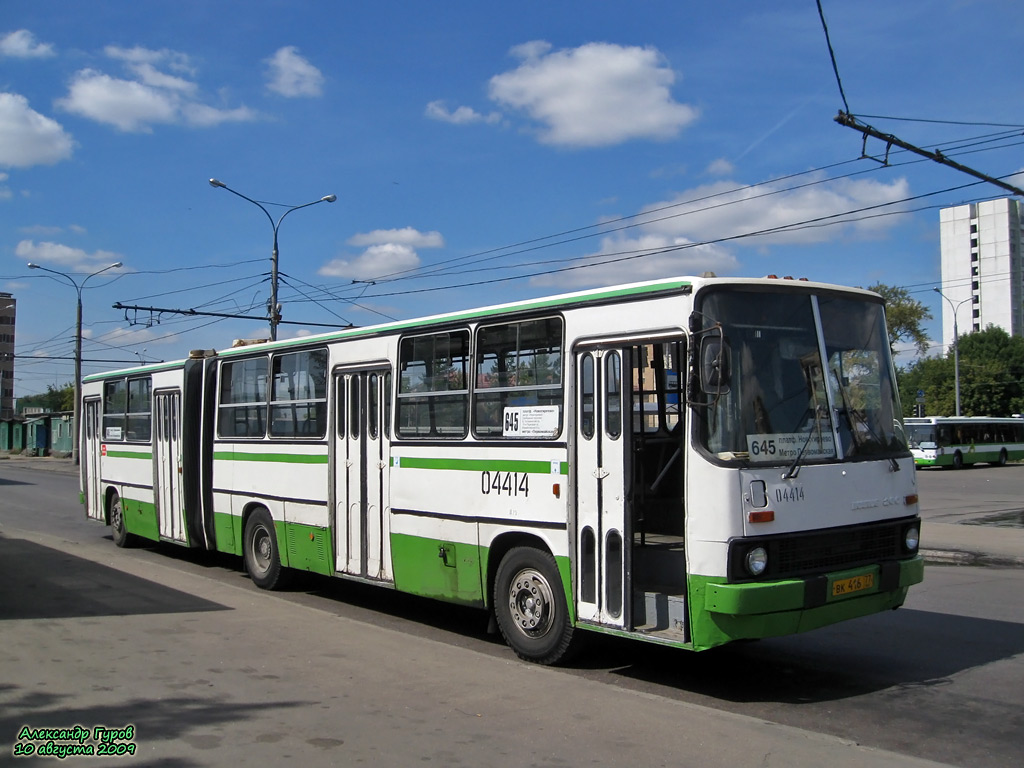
pixel 480 152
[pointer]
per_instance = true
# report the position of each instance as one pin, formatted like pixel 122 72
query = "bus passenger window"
pixel 433 392
pixel 517 391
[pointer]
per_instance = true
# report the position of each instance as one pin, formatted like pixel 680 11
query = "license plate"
pixel 855 584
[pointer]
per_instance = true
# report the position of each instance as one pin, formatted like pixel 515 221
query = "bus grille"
pixel 832 549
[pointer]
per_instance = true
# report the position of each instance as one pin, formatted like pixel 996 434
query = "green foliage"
pixel 991 377
pixel 903 316
pixel 54 399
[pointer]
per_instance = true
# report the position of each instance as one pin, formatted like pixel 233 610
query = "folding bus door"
pixel 167 464
pixel 603 474
pixel 90 452
pixel 361 464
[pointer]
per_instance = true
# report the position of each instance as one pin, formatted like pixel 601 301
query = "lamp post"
pixel 272 305
pixel 956 344
pixel 78 345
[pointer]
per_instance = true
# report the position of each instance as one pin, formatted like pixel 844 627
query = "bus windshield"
pixel 793 394
pixel 922 435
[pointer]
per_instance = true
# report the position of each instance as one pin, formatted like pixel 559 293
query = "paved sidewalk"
pixel 947 543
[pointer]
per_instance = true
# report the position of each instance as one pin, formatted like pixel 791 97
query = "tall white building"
pixel 981 267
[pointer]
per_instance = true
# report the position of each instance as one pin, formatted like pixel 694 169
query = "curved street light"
pixel 78 344
pixel 272 307
pixel 956 344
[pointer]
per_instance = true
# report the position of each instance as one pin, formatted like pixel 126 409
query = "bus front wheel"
pixel 958 460
pixel 262 557
pixel 530 606
pixel 1001 462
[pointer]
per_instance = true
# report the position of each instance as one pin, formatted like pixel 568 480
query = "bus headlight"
pixel 911 538
pixel 757 561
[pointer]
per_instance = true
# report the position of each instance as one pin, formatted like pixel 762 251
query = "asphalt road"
pixel 209 670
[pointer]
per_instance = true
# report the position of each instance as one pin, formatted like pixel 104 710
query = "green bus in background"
pixel 939 441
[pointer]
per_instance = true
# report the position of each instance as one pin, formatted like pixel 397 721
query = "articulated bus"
pixel 687 461
pixel 938 441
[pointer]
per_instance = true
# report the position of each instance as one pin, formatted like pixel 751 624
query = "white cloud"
pixel 151 96
pixel 405 236
pixel 438 110
pixel 375 261
pixel 599 94
pixel 387 251
pixel 682 237
pixel 22 45
pixel 57 256
pixel 127 104
pixel 28 138
pixel 644 257
pixel 5 191
pixel 720 167
pixel 725 209
pixel 291 75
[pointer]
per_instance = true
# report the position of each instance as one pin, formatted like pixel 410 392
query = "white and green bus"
pixel 954 441
pixel 687 461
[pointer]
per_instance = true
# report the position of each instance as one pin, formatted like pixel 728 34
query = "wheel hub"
pixel 529 601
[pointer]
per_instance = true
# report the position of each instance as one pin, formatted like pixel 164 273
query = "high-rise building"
pixel 8 312
pixel 981 267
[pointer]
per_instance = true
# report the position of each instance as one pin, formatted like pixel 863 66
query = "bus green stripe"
pixel 275 458
pixel 128 454
pixel 481 465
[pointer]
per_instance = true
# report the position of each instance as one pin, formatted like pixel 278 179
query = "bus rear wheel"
pixel 260 551
pixel 117 528
pixel 530 606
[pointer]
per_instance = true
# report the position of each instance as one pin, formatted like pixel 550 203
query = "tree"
pixel 54 399
pixel 991 377
pixel 904 316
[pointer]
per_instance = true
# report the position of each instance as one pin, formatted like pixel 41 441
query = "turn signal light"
pixel 911 499
pixel 761 516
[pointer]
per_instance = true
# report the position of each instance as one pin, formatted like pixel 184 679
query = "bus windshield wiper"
pixel 794 468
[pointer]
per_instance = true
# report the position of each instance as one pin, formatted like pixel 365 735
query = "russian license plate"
pixel 856 584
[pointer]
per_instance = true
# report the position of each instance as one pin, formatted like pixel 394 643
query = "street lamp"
pixel 272 307
pixel 956 344
pixel 78 344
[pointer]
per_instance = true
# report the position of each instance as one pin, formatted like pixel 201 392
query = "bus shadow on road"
pixel 44 583
pixel 905 649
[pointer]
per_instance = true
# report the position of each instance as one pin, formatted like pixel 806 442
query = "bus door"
pixel 167 472
pixel 90 450
pixel 603 486
pixel 361 464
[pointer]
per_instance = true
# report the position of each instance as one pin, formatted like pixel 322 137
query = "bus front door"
pixel 603 495
pixel 90 450
pixel 361 465
pixel 167 464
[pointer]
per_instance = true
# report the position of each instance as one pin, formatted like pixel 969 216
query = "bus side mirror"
pixel 715 366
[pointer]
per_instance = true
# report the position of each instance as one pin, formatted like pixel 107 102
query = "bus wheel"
pixel 262 558
pixel 530 607
pixel 1002 458
pixel 121 536
pixel 958 460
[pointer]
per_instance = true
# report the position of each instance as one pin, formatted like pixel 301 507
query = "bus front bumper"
pixel 840 587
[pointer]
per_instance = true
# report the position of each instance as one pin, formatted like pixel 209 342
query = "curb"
pixel 959 557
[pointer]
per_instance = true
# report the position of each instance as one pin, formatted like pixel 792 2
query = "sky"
pixel 480 153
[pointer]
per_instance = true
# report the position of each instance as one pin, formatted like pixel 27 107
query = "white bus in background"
pixel 687 461
pixel 955 441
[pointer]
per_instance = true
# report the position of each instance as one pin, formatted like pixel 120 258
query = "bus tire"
pixel 530 606
pixel 1001 462
pixel 120 534
pixel 260 551
pixel 958 460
